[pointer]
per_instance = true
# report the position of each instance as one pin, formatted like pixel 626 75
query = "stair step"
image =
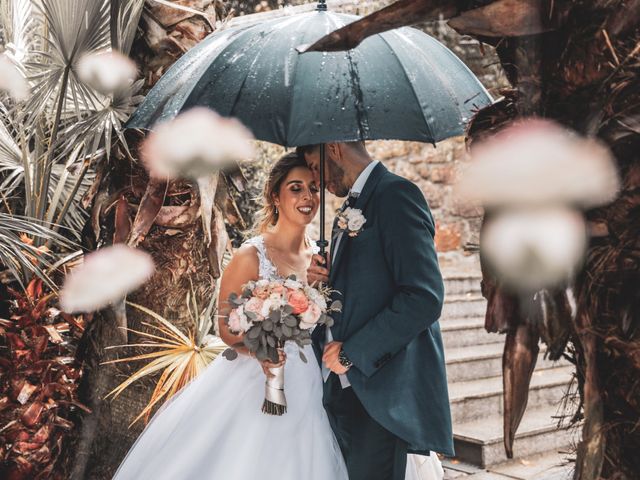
pixel 466 305
pixel 480 443
pixel 460 284
pixel 467 331
pixel 472 399
pixel 482 361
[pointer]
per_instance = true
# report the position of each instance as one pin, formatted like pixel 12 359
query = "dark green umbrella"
pixel 401 84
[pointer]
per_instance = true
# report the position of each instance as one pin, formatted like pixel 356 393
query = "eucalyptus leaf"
pixel 275 316
pixel 251 316
pixel 271 341
pixel 336 305
pixel 303 357
pixel 262 354
pixel 290 321
pixel 230 354
pixel 287 331
pixel 273 355
pixel 251 343
pixel 254 332
pixel 287 309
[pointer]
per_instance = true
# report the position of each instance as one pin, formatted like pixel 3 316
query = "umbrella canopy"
pixel 401 84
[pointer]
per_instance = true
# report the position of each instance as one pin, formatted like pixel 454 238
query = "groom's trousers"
pixel 370 451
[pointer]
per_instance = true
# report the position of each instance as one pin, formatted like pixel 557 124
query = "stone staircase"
pixel 474 371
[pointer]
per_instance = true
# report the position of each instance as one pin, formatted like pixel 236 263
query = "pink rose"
pixel 262 292
pixel 310 317
pixel 254 305
pixel 298 301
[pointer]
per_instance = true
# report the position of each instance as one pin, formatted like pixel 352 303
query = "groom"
pixel 385 384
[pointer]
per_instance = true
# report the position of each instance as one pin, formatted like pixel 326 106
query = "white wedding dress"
pixel 214 428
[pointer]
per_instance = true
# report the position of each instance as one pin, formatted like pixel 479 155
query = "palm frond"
pixel 18 27
pixel 125 15
pixel 69 31
pixel 181 357
pixel 65 187
pixel 20 255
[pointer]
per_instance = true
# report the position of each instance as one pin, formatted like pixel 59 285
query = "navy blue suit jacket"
pixel 392 291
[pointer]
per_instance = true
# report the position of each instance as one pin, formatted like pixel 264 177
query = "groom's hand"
pixel 317 271
pixel 330 357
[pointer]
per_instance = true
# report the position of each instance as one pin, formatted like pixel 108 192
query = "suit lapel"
pixel 376 174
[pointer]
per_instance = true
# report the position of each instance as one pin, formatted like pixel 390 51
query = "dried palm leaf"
pixel 180 357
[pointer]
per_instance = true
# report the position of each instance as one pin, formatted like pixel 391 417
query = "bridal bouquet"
pixel 270 313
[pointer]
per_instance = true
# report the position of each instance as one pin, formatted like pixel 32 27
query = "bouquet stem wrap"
pixel 275 402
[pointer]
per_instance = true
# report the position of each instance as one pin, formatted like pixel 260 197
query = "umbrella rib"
pixel 242 31
pixel 244 80
pixel 436 71
pixel 413 90
pixel 293 90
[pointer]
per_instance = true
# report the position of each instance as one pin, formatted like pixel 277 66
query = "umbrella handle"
pixel 322 243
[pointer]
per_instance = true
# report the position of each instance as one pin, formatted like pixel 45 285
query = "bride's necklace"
pixel 294 268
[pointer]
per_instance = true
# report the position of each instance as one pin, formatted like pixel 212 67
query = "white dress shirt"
pixel 355 191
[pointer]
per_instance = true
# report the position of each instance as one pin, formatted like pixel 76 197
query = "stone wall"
pixel 434 170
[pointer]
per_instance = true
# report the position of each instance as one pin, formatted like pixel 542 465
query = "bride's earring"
pixel 276 207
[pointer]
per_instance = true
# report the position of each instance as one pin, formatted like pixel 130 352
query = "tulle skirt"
pixel 215 429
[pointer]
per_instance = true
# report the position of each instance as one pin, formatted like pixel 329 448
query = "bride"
pixel 214 428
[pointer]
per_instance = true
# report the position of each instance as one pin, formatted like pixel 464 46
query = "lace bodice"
pixel 267 270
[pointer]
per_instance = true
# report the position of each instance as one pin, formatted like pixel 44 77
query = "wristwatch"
pixel 344 360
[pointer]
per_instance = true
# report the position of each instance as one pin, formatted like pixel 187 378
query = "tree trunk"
pixel 583 72
pixel 163 220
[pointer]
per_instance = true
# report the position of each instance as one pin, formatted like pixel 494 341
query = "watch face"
pixel 343 360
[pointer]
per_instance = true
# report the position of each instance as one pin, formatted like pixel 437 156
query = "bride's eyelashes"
pixel 297 187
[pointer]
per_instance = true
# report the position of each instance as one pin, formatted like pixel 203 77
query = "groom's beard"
pixel 336 178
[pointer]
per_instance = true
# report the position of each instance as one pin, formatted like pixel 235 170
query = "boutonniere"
pixel 350 221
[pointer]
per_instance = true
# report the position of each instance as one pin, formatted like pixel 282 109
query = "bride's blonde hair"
pixel 267 216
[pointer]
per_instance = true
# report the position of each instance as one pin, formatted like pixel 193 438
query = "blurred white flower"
pixel 537 162
pixel 534 248
pixel 104 277
pixel 107 72
pixel 290 283
pixel 12 81
pixel 195 144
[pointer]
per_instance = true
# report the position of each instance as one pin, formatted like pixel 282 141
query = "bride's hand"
pixel 317 271
pixel 267 364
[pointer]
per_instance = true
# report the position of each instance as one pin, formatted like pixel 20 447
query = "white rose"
pixel 310 317
pixel 294 284
pixel 238 321
pixel 267 306
pixel 356 220
pixel 316 297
